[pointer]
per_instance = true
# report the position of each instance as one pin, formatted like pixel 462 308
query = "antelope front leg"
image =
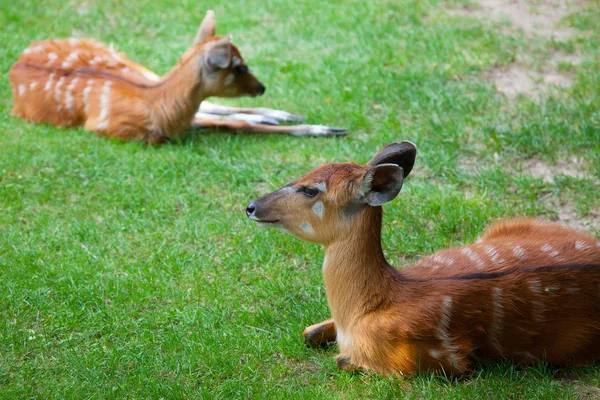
pixel 244 126
pixel 320 334
pixel 269 113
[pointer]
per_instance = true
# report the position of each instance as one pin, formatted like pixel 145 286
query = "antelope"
pixel 527 290
pixel 73 82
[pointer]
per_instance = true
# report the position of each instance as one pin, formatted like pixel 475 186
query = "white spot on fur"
pixel 443 330
pixel 580 244
pixel 104 106
pixel 519 252
pixel 69 94
pixel 343 341
pixel 21 90
pixel 52 57
pixel 66 64
pixel 443 260
pixel 229 79
pixel 49 82
pixel 435 354
pixel 547 248
pixel 86 96
pixel 307 228
pixel 33 85
pixel 57 91
pixel 497 318
pixel 552 289
pixel 535 285
pixel 73 41
pixel 467 251
pixel 318 209
pixel 494 255
pixel 151 76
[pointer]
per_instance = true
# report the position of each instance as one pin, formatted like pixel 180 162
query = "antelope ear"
pixel 402 154
pixel 381 184
pixel 219 54
pixel 207 27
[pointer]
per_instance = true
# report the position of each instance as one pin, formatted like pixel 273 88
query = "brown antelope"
pixel 75 82
pixel 527 291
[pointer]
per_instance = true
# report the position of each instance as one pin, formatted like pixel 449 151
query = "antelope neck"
pixel 357 277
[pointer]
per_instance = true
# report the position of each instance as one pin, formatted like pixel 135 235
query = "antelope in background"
pixel 75 82
pixel 527 291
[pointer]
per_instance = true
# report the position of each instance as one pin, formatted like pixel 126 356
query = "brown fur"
pixel 527 291
pixel 74 82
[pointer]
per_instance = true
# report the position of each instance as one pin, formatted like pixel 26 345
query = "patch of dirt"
pixel 538 18
pixel 534 18
pixel 586 392
pixel 518 79
pixel 565 213
pixel 575 168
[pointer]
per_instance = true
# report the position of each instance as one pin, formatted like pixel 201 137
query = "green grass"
pixel 131 271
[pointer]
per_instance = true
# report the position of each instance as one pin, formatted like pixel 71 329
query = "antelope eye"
pixel 241 69
pixel 309 191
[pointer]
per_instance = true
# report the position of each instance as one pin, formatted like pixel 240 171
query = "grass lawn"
pixel 131 271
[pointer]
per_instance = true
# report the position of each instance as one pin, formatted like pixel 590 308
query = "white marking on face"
pixel 494 255
pixel 467 251
pixel 52 57
pixel 21 90
pixel 318 209
pixel 580 244
pixel 228 79
pixel 497 318
pixel 235 61
pixel 69 94
pixel 307 228
pixel 104 106
pixel 322 186
pixel 519 252
pixel 86 96
pixel 49 82
pixel 57 91
pixel 33 85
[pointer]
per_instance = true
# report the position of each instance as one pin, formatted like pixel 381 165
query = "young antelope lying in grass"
pixel 527 291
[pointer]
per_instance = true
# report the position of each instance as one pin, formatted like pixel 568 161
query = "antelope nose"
pixel 250 210
pixel 261 90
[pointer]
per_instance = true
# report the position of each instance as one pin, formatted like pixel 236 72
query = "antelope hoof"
pixel 318 130
pixel 344 363
pixel 317 337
